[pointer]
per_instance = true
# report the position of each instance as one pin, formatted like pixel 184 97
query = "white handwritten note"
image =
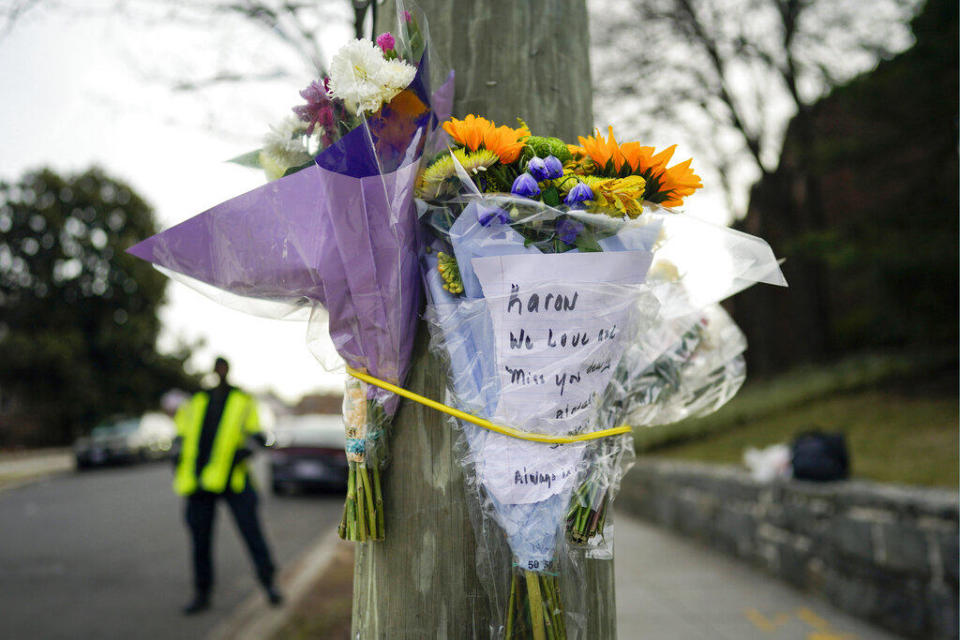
pixel 559 322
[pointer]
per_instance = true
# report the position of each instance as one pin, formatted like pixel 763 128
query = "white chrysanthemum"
pixel 363 79
pixel 283 147
pixel 398 74
pixel 285 141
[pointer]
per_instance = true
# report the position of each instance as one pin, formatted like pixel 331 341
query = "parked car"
pixel 308 454
pixel 112 442
pixel 125 440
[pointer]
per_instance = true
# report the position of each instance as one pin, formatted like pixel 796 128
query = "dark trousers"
pixel 200 513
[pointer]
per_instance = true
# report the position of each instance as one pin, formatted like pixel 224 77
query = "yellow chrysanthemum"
pixel 620 195
pixel 440 176
pixel 435 177
pixel 477 161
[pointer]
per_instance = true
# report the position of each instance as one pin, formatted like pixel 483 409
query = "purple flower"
pixel 554 167
pixel 487 215
pixel 318 110
pixel 537 168
pixel 386 42
pixel 407 17
pixel 525 186
pixel 545 169
pixel 568 230
pixel 578 195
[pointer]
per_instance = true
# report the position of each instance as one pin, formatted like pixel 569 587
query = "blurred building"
pixel 319 403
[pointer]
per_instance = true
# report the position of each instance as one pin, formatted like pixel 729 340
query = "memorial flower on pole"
pixel 554 329
pixel 333 237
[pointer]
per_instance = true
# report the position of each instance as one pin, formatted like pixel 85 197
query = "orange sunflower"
pixel 678 182
pixel 468 132
pixel 602 151
pixel 664 186
pixel 474 131
pixel 506 142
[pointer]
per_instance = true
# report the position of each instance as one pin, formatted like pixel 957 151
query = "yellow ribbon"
pixel 486 424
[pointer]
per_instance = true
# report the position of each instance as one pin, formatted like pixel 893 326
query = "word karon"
pixel 550 302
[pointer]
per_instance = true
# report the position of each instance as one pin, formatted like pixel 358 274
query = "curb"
pixel 17 471
pixel 255 619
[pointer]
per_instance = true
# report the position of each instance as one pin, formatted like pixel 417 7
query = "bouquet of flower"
pixel 537 285
pixel 699 372
pixel 334 230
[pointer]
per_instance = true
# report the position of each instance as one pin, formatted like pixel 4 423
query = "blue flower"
pixel 545 169
pixel 487 215
pixel 554 167
pixel 578 194
pixel 525 186
pixel 537 168
pixel 568 230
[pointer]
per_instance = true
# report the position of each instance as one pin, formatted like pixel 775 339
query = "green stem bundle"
pixel 363 509
pixel 365 423
pixel 588 510
pixel 535 609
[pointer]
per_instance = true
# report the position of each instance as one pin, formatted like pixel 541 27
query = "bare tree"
pixel 726 76
pixel 13 11
pixel 222 59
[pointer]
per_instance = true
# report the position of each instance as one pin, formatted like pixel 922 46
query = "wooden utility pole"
pixel 512 59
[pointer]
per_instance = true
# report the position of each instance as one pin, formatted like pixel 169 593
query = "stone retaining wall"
pixel 883 552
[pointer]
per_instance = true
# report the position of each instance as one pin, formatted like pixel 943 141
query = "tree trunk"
pixel 526 59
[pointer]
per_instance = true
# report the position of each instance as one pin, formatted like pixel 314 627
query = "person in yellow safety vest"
pixel 213 428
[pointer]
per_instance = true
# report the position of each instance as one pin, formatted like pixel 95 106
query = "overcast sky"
pixel 81 89
pixel 74 96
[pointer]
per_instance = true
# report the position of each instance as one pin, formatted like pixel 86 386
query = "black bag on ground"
pixel 819 456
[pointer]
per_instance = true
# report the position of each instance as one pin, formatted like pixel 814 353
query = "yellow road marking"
pixel 813 619
pixel 763 623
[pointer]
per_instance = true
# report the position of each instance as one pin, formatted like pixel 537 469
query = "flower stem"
pixel 378 501
pixel 511 605
pixel 535 604
pixel 368 494
pixel 361 516
pixel 351 503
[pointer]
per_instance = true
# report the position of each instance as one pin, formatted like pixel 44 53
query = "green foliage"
pixel 78 316
pixel 551 197
pixel 541 147
pixel 864 208
pixel 792 390
pixel 892 437
pixel 249 159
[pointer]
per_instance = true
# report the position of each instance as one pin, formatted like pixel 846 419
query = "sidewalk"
pixel 18 468
pixel 670 588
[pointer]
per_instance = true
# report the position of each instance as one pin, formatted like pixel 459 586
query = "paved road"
pixel 104 554
pixel 670 588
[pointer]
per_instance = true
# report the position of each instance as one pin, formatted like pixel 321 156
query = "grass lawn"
pixel 326 609
pixel 905 434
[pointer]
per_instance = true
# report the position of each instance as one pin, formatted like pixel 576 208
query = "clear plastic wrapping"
pixel 333 237
pixel 556 320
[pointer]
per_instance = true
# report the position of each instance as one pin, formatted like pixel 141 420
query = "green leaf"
pixel 586 242
pixel 250 159
pixel 293 170
pixel 551 196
